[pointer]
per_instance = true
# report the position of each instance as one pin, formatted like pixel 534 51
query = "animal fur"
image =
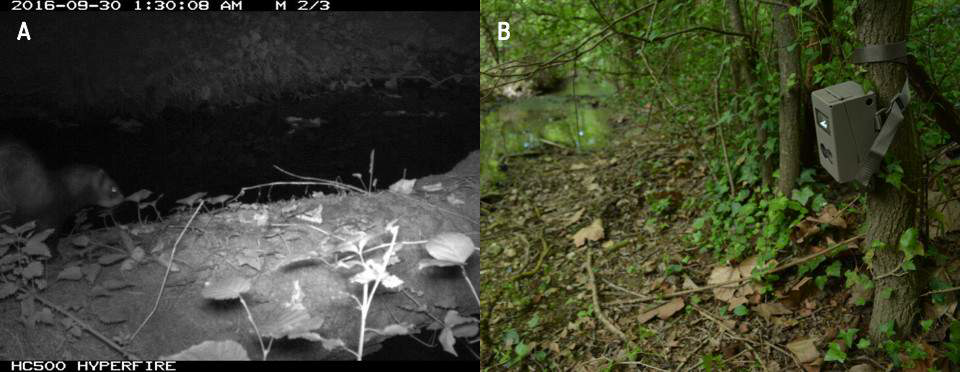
pixel 30 192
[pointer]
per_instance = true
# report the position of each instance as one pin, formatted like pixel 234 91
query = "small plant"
pixel 22 251
pixel 373 275
pixel 139 197
pixel 711 362
pixel 952 346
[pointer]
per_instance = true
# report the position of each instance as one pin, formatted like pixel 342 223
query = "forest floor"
pixel 588 265
pixel 294 261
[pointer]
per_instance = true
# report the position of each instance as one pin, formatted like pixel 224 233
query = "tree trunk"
pixel 491 40
pixel 891 211
pixel 823 20
pixel 790 114
pixel 745 70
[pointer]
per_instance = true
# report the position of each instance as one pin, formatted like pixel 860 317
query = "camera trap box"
pixel 846 127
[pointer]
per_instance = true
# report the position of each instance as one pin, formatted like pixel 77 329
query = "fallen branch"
pixel 592 284
pixel 737 281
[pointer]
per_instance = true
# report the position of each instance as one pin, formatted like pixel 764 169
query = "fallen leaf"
pixel 862 368
pixel 645 317
pixel 668 309
pixel 805 229
pixel 768 310
pixel 579 166
pixel 594 232
pixel 829 215
pixel 723 274
pixel 746 267
pixel 805 350
pixel 736 301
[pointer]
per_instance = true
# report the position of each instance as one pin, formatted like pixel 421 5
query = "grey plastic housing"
pixel 844 117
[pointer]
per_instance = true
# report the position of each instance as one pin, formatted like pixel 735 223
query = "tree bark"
pixel 891 211
pixel 745 72
pixel 790 114
pixel 823 20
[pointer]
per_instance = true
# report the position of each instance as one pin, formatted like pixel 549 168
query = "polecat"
pixel 28 191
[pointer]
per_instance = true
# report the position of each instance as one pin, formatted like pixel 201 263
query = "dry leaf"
pixel 668 309
pixel 578 166
pixel 724 274
pixel 829 215
pixel 645 317
pixel 767 310
pixel 804 229
pixel 688 283
pixel 664 311
pixel 594 232
pixel 736 301
pixel 805 350
pixel 746 267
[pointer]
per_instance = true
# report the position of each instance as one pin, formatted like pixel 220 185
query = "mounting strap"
pixel 881 53
pixel 893 112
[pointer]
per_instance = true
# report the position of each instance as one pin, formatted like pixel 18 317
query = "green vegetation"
pixel 698 157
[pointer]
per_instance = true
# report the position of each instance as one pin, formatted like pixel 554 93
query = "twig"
pixel 166 273
pixel 544 250
pixel 644 365
pixel 747 342
pixel 615 286
pixel 591 283
pixel 334 184
pixel 695 350
pixel 723 142
pixel 736 281
pixel 938 291
pixel 517 64
pixel 686 30
pixel 81 324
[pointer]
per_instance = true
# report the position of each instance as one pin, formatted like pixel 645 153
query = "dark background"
pixel 209 95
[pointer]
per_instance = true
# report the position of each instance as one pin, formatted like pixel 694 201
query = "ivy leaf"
pixel 852 278
pixel 908 265
pixel 818 203
pixel 834 269
pixel 894 175
pixel 806 176
pixel 740 310
pixel 820 281
pixel 886 293
pixel 803 195
pixel 522 349
pixel 926 324
pixel 835 354
pixel 848 335
pixel 887 329
pixel 863 344
pixel 909 244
